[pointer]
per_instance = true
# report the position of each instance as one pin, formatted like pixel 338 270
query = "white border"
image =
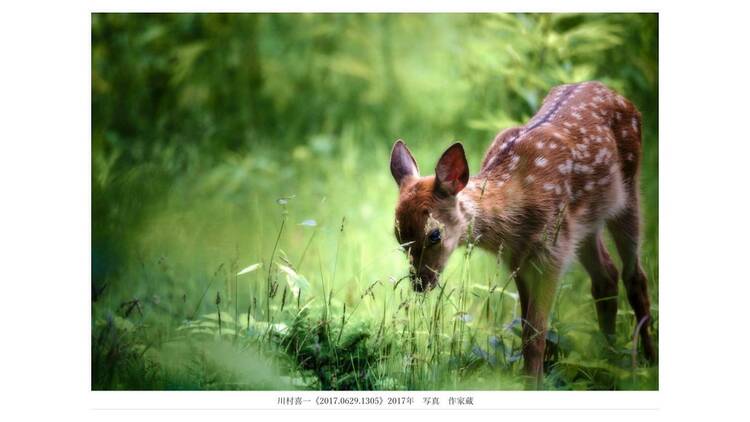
pixel 45 176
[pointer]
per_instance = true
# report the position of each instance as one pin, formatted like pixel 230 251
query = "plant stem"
pixel 270 268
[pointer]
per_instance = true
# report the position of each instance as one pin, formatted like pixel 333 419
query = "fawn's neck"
pixel 484 213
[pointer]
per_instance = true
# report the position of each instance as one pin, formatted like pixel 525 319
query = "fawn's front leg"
pixel 536 287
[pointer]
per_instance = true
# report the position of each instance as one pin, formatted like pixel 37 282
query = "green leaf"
pixel 249 269
pixel 297 283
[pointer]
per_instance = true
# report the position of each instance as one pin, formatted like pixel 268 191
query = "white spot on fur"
pixel 582 169
pixel 514 160
pixel 540 161
pixel 589 185
pixel 529 179
pixel 565 167
pixel 602 155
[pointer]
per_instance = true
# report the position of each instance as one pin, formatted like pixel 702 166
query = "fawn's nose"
pixel 423 282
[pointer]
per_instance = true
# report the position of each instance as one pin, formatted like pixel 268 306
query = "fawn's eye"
pixel 434 236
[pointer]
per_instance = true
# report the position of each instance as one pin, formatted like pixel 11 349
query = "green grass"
pixel 201 170
pixel 339 314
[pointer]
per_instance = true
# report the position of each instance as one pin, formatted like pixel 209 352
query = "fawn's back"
pixel 580 153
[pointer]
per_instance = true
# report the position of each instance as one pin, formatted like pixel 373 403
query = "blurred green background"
pixel 223 140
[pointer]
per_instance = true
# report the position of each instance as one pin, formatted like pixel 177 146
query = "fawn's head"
pixel 429 220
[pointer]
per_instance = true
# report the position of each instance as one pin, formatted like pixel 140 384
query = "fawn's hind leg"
pixel 625 229
pixel 595 259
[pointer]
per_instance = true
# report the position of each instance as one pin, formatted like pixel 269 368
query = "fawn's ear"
pixel 452 170
pixel 403 164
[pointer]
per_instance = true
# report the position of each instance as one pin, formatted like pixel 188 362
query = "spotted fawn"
pixel 544 194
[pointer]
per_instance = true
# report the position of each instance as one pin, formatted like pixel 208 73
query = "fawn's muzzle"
pixel 423 282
